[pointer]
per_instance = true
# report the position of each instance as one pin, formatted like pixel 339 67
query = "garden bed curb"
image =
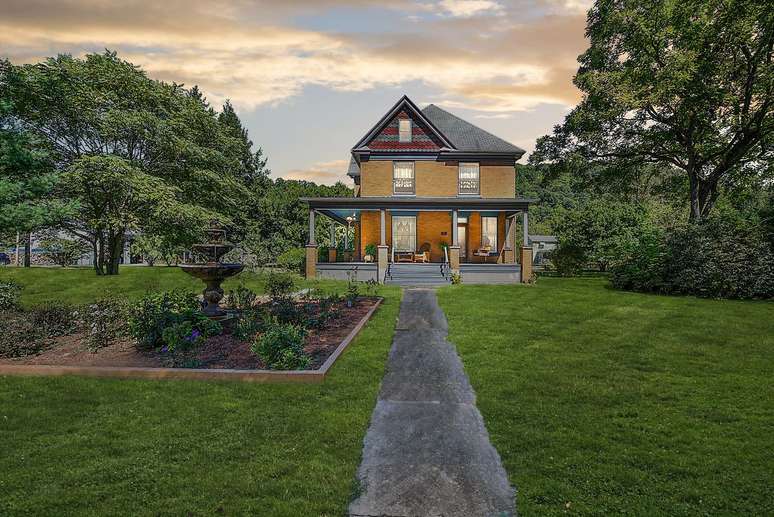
pixel 213 374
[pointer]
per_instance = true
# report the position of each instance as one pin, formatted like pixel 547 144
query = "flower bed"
pixel 279 338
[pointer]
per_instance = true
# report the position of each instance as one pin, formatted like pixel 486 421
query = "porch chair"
pixel 423 255
pixel 485 252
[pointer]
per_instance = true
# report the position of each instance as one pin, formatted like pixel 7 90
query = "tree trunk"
pixel 115 249
pixel 703 195
pixel 27 249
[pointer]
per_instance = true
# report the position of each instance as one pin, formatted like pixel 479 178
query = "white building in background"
pixel 542 245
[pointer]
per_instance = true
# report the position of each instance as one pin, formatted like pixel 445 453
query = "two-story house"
pixel 430 188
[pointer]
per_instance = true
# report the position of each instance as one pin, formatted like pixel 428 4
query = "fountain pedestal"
pixel 213 272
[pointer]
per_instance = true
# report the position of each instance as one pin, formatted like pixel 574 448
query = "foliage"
pixel 596 231
pixel 456 278
pixel 242 298
pixel 353 290
pixel 322 253
pixel 293 260
pixel 568 259
pixel 63 252
pixel 20 336
pixel 281 347
pixel 9 294
pixel 248 324
pixel 134 153
pixel 181 336
pixel 154 312
pixel 103 322
pixel 685 85
pixel 370 249
pixel 27 175
pixel 279 285
pixel 713 259
pixel 54 319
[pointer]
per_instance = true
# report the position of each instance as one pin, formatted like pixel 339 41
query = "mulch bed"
pixel 218 352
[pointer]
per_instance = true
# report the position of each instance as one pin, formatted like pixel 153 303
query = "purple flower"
pixel 195 334
pixel 164 349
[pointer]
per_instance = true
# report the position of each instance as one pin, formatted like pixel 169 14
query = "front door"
pixel 462 235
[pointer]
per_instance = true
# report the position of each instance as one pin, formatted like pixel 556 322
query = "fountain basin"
pixel 212 274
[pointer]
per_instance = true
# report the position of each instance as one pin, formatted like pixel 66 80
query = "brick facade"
pixel 436 179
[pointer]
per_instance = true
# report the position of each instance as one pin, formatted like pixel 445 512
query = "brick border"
pixel 201 374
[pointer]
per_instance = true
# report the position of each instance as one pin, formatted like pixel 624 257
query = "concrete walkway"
pixel 427 452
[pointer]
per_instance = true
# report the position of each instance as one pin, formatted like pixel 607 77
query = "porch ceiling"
pixel 339 205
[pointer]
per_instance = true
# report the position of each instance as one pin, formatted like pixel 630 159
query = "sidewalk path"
pixel 427 452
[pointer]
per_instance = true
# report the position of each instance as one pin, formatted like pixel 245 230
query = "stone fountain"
pixel 213 272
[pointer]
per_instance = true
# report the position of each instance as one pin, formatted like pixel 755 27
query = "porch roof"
pixel 418 203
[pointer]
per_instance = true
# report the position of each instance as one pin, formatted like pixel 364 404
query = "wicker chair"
pixel 423 255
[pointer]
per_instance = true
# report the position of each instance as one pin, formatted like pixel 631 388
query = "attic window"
pixel 404 130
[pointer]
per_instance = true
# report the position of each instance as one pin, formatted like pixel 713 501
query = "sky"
pixel 308 78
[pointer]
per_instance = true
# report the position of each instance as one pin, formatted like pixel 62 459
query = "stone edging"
pixel 127 372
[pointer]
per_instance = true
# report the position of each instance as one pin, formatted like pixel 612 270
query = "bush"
pixel 567 259
pixel 54 319
pixel 103 322
pixel 714 259
pixel 293 260
pixel 281 347
pixel 19 337
pixel 248 324
pixel 9 295
pixel 242 298
pixel 279 285
pixel 370 249
pixel 154 312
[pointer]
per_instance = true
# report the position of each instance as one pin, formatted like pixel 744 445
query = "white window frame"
pixel 394 223
pixel 395 190
pixel 496 231
pixel 407 132
pixel 469 192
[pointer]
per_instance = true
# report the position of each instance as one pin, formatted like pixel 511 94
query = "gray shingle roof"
pixel 465 136
pixel 354 168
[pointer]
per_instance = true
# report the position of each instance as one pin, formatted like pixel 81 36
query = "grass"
pixel 605 402
pixel 116 447
pixel 82 285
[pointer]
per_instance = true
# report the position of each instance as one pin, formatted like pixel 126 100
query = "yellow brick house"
pixel 435 196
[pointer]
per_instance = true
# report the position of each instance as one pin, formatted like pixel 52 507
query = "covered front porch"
pixel 467 236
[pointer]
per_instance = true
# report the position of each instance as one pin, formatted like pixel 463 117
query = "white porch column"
pixel 382 248
pixel 455 228
pixel 454 249
pixel 311 242
pixel 333 234
pixel 525 227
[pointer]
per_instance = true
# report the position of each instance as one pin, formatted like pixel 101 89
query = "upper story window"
pixel 469 178
pixel 404 130
pixel 403 177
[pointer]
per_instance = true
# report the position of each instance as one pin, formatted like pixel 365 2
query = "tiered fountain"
pixel 213 272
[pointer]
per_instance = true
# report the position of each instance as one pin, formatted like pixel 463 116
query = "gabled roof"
pixel 465 136
pixel 407 104
pixel 353 169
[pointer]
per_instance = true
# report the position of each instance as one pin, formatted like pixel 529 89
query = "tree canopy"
pixel 682 84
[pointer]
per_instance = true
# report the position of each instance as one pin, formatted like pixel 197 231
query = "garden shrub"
pixel 19 336
pixel 293 260
pixel 103 322
pixel 9 295
pixel 353 291
pixel 567 259
pixel 156 311
pixel 248 324
pixel 285 310
pixel 55 319
pixel 713 259
pixel 279 285
pixel 281 347
pixel 242 298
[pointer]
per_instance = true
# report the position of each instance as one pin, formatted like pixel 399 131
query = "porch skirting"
pixel 362 271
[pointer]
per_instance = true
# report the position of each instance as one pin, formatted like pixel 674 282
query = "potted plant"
pixel 370 252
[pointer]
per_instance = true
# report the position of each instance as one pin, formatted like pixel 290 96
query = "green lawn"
pixel 81 285
pixel 604 402
pixel 117 447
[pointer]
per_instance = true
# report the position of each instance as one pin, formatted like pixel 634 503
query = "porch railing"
pixel 445 263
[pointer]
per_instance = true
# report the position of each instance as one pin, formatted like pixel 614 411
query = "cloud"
pixel 468 8
pixel 327 173
pixel 229 54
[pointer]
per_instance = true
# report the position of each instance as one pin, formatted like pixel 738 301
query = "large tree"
pixel 681 83
pixel 140 154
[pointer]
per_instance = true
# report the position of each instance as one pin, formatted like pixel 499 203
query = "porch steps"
pixel 422 275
